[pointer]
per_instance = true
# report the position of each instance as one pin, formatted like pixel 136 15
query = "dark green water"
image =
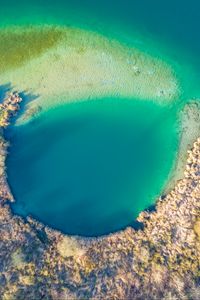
pixel 90 168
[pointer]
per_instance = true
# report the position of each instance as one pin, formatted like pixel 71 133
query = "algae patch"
pixel 62 64
pixel 19 45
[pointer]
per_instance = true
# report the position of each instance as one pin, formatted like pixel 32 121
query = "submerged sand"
pixel 79 64
pixel 189 131
pixel 58 65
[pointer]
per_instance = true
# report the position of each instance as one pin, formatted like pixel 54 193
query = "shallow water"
pixel 90 168
pixel 101 163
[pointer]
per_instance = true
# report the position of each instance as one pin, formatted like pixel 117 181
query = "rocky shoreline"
pixel 162 261
pixel 8 109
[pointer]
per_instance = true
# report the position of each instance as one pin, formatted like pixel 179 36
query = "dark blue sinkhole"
pixel 90 168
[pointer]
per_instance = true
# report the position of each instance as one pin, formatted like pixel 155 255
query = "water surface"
pixel 89 168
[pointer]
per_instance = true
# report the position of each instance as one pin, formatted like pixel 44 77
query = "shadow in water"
pixel 26 99
pixel 136 225
pixel 150 209
pixel 4 89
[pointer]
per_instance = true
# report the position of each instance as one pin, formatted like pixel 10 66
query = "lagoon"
pixel 89 168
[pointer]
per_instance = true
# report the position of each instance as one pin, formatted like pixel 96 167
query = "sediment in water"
pixel 74 64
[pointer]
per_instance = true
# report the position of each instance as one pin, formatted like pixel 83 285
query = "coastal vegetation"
pixel 161 261
pixel 58 54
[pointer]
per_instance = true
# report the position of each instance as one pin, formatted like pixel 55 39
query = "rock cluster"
pixel 161 261
pixel 8 109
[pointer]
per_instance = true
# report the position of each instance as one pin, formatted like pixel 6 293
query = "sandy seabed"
pixel 85 65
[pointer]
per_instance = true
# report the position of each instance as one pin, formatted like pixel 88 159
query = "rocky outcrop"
pixel 159 262
pixel 8 109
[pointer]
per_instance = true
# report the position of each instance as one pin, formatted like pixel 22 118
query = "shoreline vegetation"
pixel 160 261
pixel 8 109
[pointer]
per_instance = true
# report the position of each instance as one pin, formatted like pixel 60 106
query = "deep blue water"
pixel 90 168
pixel 174 20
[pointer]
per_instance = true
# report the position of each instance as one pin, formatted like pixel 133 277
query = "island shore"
pixel 161 261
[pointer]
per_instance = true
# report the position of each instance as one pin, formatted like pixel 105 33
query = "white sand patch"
pixel 88 66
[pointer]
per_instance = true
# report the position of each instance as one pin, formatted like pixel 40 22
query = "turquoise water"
pixel 90 168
